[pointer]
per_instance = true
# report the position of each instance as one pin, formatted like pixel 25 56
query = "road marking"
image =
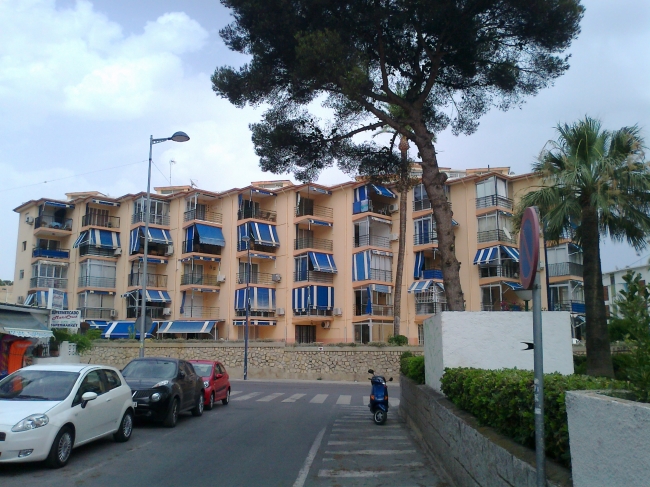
pixel 393 402
pixel 345 421
pixel 319 398
pixel 270 397
pixel 344 400
pixel 338 443
pixel 247 396
pixel 234 393
pixel 366 400
pixel 369 452
pixel 294 398
pixel 304 471
pixel 389 437
pixel 351 474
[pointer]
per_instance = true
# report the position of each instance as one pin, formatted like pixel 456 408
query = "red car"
pixel 215 381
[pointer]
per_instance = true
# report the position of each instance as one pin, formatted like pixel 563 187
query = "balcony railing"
pixel 312 312
pixel 381 275
pixel 49 221
pixel 241 246
pixel 314 210
pixel 267 215
pixel 494 200
pixel 255 278
pixel 425 238
pixel 425 205
pixel 153 280
pixel 374 240
pixel 496 236
pixel 202 215
pixel 97 313
pixel 95 251
pixel 55 282
pixel 195 246
pixel 433 273
pixel 51 254
pixel 153 218
pixel 511 271
pixel 572 306
pixel 97 220
pixel 200 312
pixel 370 206
pixel 313 243
pixel 256 313
pixel 564 269
pixel 152 311
pixel 501 307
pixel 199 279
pixel 313 276
pixel 376 310
pixel 429 308
pixel 90 281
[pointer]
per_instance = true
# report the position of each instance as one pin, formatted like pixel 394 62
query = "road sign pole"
pixel 540 450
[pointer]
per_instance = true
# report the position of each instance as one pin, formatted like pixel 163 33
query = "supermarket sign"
pixel 68 319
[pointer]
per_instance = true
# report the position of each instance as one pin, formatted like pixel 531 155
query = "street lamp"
pixel 177 137
pixel 247 240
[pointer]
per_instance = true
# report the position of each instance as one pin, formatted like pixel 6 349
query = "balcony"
pixel 153 218
pixel 312 312
pixel 429 308
pixel 313 243
pixel 501 307
pixel 255 278
pixel 51 254
pixel 572 306
pixel 241 247
pixel 55 282
pixel 425 205
pixel 268 215
pixel 155 312
pixel 199 279
pixel 52 222
pixel 494 200
pixel 564 269
pixel 372 240
pixel 314 210
pixel 96 220
pixel 377 310
pixel 97 313
pixel 433 273
pixel 153 280
pixel 425 238
pixel 506 270
pixel 190 246
pixel 496 236
pixel 381 275
pixel 200 312
pixel 202 215
pixel 92 250
pixel 313 276
pixel 91 281
pixel 256 313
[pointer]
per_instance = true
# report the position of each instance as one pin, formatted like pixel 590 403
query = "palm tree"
pixel 594 183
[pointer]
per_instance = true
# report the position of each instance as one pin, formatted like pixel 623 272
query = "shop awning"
pixel 382 191
pixel 126 329
pixel 186 327
pixel 210 235
pixel 319 222
pixel 255 322
pixel 515 286
pixel 484 256
pixel 156 296
pixel 22 325
pixel 264 234
pixel 323 262
pixel 511 252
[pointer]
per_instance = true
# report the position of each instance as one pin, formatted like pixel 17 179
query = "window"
pixel 96 300
pixel 24 245
pixel 305 334
pixel 21 274
pixel 43 243
pixel 361 333
pixel 487 222
pixel 93 382
pixel 54 271
pixel 420 334
pixel 425 232
pixel 420 198
pixel 492 186
pixel 97 273
pixel 112 380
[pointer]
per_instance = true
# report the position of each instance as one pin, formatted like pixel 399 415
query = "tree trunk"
pixel 434 184
pixel 599 355
pixel 401 248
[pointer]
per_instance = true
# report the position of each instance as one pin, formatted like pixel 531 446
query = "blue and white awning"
pixel 104 239
pixel 423 286
pixel 419 264
pixel 381 220
pixel 255 255
pixel 156 235
pixel 312 297
pixel 511 252
pixel 382 191
pixel 319 222
pixel 154 296
pixel 261 298
pixel 262 192
pixel 515 286
pixel 316 189
pixel 381 288
pixel 59 204
pixel 322 262
pixel 381 252
pixel 361 266
pixel 105 202
pixel 202 290
pixel 483 256
pixel 153 260
pixel 126 329
pixel 264 234
pixel 210 235
pixel 186 327
pixel 255 322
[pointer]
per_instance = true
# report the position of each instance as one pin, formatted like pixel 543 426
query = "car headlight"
pixel 206 384
pixel 31 422
pixel 161 383
pixel 155 397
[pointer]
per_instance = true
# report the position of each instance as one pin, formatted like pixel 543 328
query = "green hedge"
pixel 503 399
pixel 412 366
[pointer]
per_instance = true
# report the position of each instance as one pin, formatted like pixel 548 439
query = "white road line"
pixel 247 396
pixel 293 398
pixel 270 397
pixel 304 471
pixel 352 474
pixel 366 400
pixel 340 422
pixel 234 393
pixel 369 452
pixel 389 437
pixel 393 403
pixel 339 443
pixel 319 398
pixel 344 400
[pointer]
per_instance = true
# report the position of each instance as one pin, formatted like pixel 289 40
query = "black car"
pixel 164 387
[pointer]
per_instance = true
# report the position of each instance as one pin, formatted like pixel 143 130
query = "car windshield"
pixel 204 370
pixel 150 369
pixel 37 385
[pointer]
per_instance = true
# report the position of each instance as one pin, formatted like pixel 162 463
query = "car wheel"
pixel 126 428
pixel 61 448
pixel 172 414
pixel 226 399
pixel 210 403
pixel 198 409
pixel 379 417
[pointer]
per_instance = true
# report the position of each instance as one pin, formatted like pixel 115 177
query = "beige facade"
pixel 318 256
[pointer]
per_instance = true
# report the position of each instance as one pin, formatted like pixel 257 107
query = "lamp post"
pixel 177 137
pixel 247 239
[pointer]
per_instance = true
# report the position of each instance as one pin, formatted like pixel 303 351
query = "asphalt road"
pixel 286 434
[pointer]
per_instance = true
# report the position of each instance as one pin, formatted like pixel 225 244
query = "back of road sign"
pixel 529 247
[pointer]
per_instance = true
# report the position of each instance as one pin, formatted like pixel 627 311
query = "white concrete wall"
pixel 493 340
pixel 610 440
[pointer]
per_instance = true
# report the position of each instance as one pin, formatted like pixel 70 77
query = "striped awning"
pixel 154 296
pixel 126 329
pixel 422 286
pixel 483 256
pixel 511 252
pixel 186 327
pixel 104 239
pixel 515 286
pixel 382 191
pixel 323 262
pixel 381 220
pixel 319 222
pixel 105 202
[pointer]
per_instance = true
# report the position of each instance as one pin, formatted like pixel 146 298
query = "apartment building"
pixel 613 284
pixel 318 262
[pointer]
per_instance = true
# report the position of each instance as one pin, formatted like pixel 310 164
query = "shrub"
pixel 83 342
pixel 503 399
pixel 403 361
pixel 412 366
pixel 398 340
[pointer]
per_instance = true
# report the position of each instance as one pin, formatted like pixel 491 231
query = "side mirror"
pixel 218 376
pixel 370 371
pixel 87 396
pixel 390 380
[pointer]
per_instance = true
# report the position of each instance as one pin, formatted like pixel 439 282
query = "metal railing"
pixel 314 210
pixel 153 280
pixel 51 254
pixel 95 251
pixel 429 308
pixel 241 246
pixel 376 310
pixel 97 313
pixel 49 221
pixel 381 275
pixel 425 204
pixel 501 307
pixel 202 215
pixel 313 243
pixel 55 282
pixel 200 279
pixel 256 313
pixel 91 281
pixel 313 276
pixel 374 240
pixel 267 215
pixel 496 236
pixel 195 246
pixel 494 200
pixel 98 220
pixel 574 306
pixel 200 312
pixel 152 311
pixel 564 269
pixel 255 278
pixel 312 312
pixel 425 238
pixel 141 216
pixel 504 270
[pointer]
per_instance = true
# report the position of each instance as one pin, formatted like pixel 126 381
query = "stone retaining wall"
pixel 471 455
pixel 265 360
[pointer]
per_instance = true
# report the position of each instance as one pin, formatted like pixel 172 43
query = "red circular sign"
pixel 529 247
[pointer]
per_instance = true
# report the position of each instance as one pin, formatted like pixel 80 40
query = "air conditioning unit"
pixel 20 299
pixel 325 324
pixel 169 250
pixel 117 252
pixel 113 313
pixel 167 311
pixel 279 311
pixel 221 278
pixel 29 220
pixel 393 207
pixel 394 237
pixel 276 277
pixel 338 312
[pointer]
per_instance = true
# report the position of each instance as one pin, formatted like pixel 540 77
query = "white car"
pixel 47 410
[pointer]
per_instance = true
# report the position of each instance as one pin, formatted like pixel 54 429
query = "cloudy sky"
pixel 83 84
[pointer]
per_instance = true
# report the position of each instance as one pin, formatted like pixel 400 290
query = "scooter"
pixel 378 397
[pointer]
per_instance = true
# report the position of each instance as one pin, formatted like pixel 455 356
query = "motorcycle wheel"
pixel 380 416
